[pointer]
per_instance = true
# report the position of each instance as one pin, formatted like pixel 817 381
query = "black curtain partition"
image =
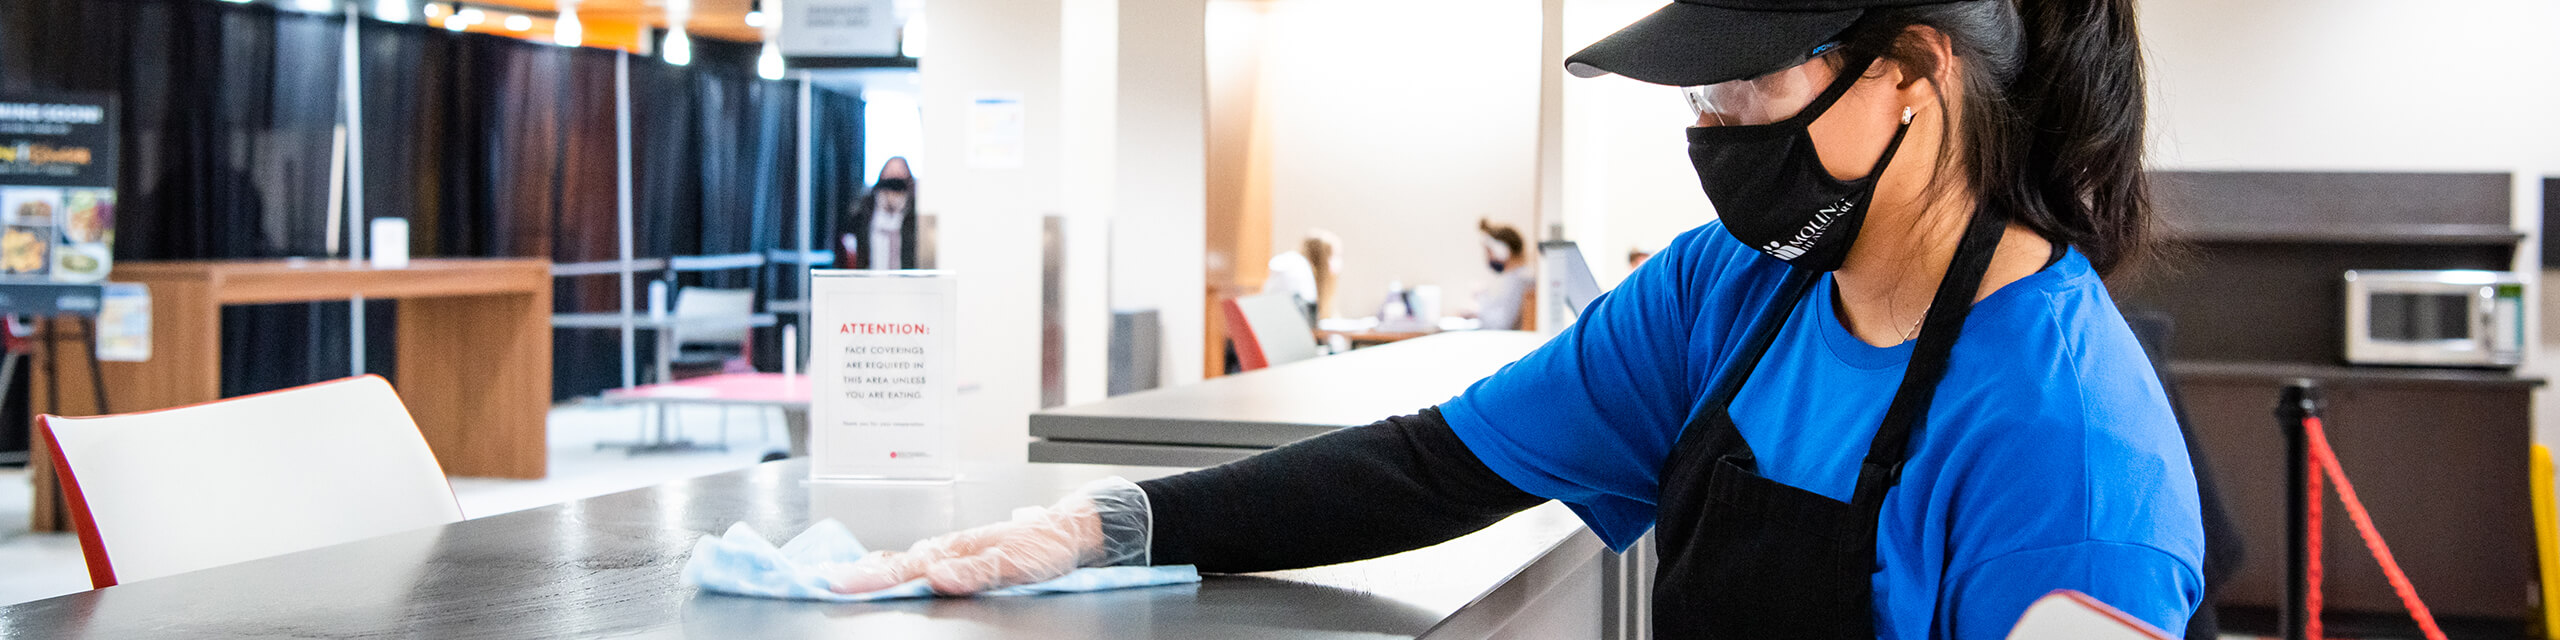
pixel 490 146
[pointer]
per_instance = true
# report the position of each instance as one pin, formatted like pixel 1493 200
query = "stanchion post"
pixel 2299 401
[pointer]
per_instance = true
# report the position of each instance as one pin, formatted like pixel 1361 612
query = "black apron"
pixel 1746 557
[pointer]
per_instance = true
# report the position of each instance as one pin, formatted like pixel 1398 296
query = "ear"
pixel 1919 88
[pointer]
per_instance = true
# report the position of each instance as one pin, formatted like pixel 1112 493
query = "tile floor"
pixel 34 566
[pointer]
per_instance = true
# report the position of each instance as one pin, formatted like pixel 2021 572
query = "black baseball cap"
pixel 1703 42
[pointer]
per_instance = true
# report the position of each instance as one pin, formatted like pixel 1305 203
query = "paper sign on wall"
pixel 880 373
pixel 995 131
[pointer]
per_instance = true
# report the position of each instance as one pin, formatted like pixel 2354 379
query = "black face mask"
pixel 1769 187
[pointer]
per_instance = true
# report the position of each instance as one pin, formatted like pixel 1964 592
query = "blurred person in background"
pixel 1308 273
pixel 1505 303
pixel 879 232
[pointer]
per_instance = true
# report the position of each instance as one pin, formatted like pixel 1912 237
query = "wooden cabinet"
pixel 2438 456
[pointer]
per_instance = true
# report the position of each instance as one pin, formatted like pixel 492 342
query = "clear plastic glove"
pixel 1103 524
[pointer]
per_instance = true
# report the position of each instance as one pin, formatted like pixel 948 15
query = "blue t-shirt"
pixel 2049 460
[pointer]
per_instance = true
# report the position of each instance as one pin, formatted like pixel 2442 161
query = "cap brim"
pixel 1691 44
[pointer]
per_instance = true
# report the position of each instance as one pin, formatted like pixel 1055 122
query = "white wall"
pixel 1113 92
pixel 990 218
pixel 1159 229
pixel 2390 85
pixel 1628 182
pixel 1397 125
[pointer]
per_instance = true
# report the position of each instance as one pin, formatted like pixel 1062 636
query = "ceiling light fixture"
pixel 391 10
pixel 678 49
pixel 519 23
pixel 755 18
pixel 567 31
pixel 769 63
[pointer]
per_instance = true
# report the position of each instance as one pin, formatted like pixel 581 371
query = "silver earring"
pixel 1906 115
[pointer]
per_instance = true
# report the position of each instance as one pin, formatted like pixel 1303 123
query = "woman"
pixel 1505 303
pixel 879 232
pixel 1895 347
pixel 1307 274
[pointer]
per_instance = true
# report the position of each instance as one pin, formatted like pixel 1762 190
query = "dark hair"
pixel 2051 131
pixel 1504 234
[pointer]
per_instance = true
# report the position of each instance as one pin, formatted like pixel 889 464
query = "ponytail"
pixel 2081 93
pixel 2052 116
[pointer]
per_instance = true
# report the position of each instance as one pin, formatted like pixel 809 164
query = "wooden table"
pixel 1366 337
pixel 474 349
pixel 609 567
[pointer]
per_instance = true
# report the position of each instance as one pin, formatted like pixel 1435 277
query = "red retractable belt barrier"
pixel 2324 462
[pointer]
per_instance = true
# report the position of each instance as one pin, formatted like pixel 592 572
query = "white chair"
pixel 712 325
pixel 1269 330
pixel 176 490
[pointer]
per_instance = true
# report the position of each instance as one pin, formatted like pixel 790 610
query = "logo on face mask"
pixel 1791 248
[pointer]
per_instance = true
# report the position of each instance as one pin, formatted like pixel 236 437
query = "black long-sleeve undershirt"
pixel 1400 484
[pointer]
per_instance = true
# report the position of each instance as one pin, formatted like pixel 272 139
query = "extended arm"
pixel 1400 484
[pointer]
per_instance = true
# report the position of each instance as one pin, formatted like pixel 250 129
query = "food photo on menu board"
pixel 88 228
pixel 26 242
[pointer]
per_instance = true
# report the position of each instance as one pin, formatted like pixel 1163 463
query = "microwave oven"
pixel 2453 318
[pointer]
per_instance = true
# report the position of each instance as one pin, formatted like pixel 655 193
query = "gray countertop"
pixel 607 567
pixel 1286 403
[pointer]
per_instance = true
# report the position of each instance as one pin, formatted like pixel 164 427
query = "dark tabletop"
pixel 608 567
pixel 1291 402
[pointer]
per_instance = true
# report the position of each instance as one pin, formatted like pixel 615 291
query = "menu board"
pixel 57 187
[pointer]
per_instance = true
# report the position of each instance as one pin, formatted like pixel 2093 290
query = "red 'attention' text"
pixel 903 329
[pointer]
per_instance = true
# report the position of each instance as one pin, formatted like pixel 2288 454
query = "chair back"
pixel 176 490
pixel 2222 542
pixel 1269 330
pixel 720 317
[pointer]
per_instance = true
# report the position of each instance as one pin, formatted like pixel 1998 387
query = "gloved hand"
pixel 1105 523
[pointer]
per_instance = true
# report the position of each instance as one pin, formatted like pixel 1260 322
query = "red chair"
pixel 1269 330
pixel 165 492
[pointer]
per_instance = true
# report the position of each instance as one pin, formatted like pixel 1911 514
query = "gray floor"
pixel 34 566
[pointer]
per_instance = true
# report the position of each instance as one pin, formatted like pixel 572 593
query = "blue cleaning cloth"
pixel 742 563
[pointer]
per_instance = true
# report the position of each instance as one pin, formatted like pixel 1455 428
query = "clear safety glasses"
pixel 1768 98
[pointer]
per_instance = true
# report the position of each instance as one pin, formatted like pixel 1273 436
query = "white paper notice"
pixel 995 131
pixel 124 323
pixel 880 372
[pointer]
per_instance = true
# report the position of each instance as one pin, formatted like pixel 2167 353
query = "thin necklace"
pixel 1915 324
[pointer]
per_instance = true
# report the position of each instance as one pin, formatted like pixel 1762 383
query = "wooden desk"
pixel 474 350
pixel 1372 337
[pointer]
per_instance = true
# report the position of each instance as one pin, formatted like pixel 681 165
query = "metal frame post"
pixel 2298 402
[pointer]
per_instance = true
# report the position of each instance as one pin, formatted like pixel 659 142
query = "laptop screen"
pixel 1568 275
